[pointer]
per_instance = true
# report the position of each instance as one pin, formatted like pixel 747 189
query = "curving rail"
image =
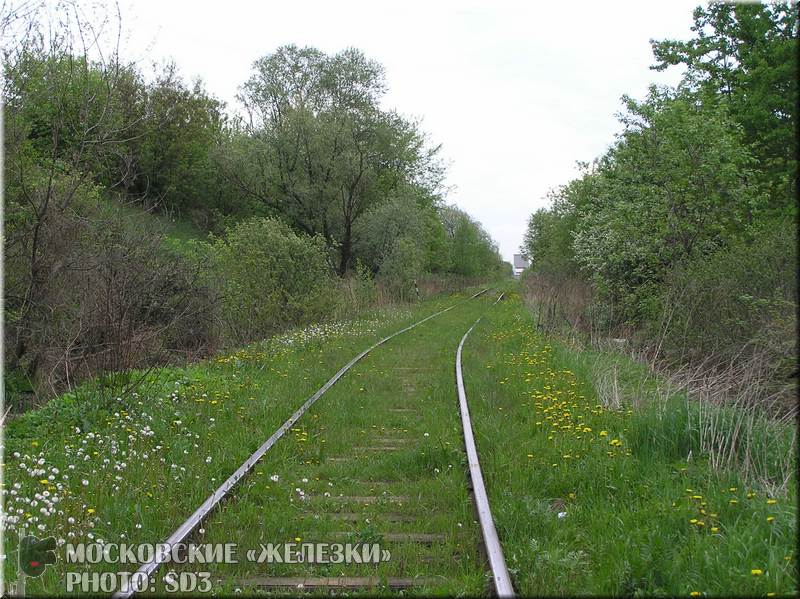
pixel 497 563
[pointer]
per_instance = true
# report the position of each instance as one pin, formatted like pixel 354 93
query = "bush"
pixel 268 278
pixel 357 292
pixel 402 267
pixel 737 302
pixel 101 296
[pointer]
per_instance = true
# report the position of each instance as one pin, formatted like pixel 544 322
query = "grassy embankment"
pixel 132 469
pixel 593 498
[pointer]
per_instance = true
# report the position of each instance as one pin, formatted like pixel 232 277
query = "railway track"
pixel 384 477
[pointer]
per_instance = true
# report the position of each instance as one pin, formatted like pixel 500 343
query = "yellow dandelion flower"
pixel 756 571
pixel 772 501
pixel 714 529
pixel 770 518
pixel 603 433
pixel 694 594
pixel 90 510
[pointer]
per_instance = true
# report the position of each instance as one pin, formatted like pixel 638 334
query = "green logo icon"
pixel 35 555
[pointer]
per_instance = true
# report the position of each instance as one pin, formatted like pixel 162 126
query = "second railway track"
pixel 379 462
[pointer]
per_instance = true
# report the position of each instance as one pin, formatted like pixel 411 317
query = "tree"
pixel 173 151
pixel 744 55
pixel 677 185
pixel 324 151
pixel 472 251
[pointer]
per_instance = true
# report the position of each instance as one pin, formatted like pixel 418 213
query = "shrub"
pixel 100 295
pixel 735 303
pixel 402 267
pixel 268 278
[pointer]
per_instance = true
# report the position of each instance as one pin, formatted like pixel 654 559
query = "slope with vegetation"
pixel 680 242
pixel 314 202
pixel 605 479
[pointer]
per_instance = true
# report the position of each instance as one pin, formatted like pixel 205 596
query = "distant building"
pixel 520 264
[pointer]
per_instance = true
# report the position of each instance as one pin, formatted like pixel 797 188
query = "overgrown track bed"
pixel 379 461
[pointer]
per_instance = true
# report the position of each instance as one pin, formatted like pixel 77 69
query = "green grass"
pixel 638 517
pixel 150 460
pixel 178 231
pixel 414 372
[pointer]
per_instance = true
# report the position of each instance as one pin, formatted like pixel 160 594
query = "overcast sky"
pixel 516 92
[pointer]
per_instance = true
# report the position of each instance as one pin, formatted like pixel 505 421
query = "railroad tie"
pixel 369 498
pixel 348 582
pixel 354 517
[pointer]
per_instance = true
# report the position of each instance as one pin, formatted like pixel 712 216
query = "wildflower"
pixel 90 511
pixel 603 433
pixel 714 529
pixel 756 571
pixel 772 501
pixel 733 502
pixel 770 518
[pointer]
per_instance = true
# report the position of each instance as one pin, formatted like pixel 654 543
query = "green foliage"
pixel 90 141
pixel 403 266
pixel 172 151
pixel 650 514
pixel 738 302
pixel 685 228
pixel 325 150
pixel 548 239
pixel 269 278
pixel 744 56
pixel 472 252
pixel 675 187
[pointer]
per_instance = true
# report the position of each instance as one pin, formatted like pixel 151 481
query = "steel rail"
pixel 185 529
pixel 497 563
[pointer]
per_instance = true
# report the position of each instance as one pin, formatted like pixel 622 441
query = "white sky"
pixel 516 92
